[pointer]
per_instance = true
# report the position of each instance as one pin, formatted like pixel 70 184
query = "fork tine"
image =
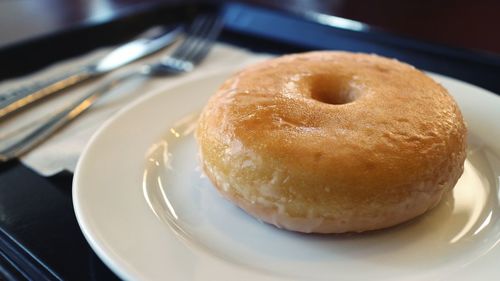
pixel 194 31
pixel 196 38
pixel 206 43
pixel 200 46
pixel 197 43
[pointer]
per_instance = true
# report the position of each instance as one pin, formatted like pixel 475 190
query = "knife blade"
pixel 150 42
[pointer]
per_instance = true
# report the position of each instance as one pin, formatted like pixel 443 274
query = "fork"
pixel 199 40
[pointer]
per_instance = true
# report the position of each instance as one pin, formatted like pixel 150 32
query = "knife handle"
pixel 45 127
pixel 16 99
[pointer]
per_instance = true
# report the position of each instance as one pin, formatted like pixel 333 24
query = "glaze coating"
pixel 332 142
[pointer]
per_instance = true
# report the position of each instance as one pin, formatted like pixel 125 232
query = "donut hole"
pixel 331 89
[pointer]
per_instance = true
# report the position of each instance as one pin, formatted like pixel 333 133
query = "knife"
pixel 151 41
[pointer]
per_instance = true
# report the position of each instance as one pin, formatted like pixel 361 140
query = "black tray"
pixel 39 235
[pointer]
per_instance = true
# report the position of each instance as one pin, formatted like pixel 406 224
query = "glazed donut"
pixel 332 142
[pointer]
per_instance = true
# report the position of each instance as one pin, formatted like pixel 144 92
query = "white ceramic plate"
pixel 149 215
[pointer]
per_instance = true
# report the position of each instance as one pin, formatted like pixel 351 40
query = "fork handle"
pixel 43 131
pixel 16 99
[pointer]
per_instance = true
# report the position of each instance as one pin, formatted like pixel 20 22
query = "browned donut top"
pixel 368 123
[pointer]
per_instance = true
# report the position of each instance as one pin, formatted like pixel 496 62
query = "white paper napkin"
pixel 62 150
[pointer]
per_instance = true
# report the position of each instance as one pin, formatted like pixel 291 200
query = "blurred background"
pixel 457 23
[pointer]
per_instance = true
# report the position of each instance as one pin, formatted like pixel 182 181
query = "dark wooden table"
pixel 456 38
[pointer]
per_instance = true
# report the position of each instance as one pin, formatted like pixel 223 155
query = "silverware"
pixel 185 57
pixel 149 42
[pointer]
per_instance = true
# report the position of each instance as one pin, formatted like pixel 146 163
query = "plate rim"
pixel 115 262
